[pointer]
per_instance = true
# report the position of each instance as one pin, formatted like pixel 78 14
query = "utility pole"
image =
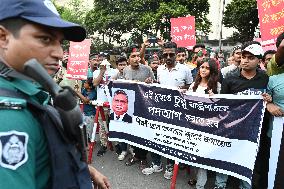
pixel 221 25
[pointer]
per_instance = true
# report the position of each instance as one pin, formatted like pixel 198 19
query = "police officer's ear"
pixel 4 37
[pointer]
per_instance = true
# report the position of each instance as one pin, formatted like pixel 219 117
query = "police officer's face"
pixel 34 41
pixel 119 104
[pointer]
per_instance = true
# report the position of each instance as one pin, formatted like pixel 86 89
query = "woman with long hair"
pixel 207 77
pixel 206 82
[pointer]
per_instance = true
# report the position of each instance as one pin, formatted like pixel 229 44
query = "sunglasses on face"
pixel 166 55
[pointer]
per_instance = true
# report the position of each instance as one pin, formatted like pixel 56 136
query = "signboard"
pixel 218 134
pixel 77 66
pixel 271 20
pixel 183 31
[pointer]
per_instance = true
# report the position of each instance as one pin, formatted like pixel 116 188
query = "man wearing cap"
pixel 246 80
pixel 32 29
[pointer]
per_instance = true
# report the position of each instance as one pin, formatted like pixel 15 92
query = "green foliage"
pixel 100 46
pixel 115 17
pixel 74 11
pixel 243 16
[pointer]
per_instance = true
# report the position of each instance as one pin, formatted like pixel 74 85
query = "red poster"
pixel 271 19
pixel 77 66
pixel 183 31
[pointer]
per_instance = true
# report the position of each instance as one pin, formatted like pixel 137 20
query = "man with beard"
pixel 175 75
pixel 137 71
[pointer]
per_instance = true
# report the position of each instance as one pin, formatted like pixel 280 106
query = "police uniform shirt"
pixel 24 156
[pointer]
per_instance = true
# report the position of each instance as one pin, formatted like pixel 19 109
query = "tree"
pixel 115 17
pixel 73 12
pixel 243 16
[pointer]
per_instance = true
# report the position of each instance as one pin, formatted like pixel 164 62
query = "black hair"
pixel 14 25
pixel 268 52
pixel 279 39
pixel 120 59
pixel 200 45
pixel 181 50
pixel 130 49
pixel 170 45
pixel 90 82
pixel 120 92
pixel 93 55
pixel 213 76
pixel 236 48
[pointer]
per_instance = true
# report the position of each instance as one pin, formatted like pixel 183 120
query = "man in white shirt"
pixel 172 74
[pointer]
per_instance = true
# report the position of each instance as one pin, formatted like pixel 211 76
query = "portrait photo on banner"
pixel 122 105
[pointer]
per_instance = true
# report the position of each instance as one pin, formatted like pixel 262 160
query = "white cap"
pixel 105 63
pixel 254 49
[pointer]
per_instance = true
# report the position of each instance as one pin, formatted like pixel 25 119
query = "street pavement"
pixel 130 177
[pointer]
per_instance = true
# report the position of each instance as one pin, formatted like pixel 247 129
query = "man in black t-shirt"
pixel 246 80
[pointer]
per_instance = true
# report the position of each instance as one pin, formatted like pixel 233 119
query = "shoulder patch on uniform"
pixel 13 149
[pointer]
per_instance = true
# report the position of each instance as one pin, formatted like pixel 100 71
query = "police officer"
pixel 30 29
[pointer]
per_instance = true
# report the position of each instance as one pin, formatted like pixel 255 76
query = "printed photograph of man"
pixel 120 107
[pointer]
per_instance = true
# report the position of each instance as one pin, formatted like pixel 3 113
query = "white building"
pixel 215 16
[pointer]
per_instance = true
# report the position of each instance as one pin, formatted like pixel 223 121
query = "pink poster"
pixel 77 66
pixel 183 31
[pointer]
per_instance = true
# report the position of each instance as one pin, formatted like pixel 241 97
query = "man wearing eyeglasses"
pixel 171 74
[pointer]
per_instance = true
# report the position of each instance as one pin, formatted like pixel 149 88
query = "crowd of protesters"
pixel 200 70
